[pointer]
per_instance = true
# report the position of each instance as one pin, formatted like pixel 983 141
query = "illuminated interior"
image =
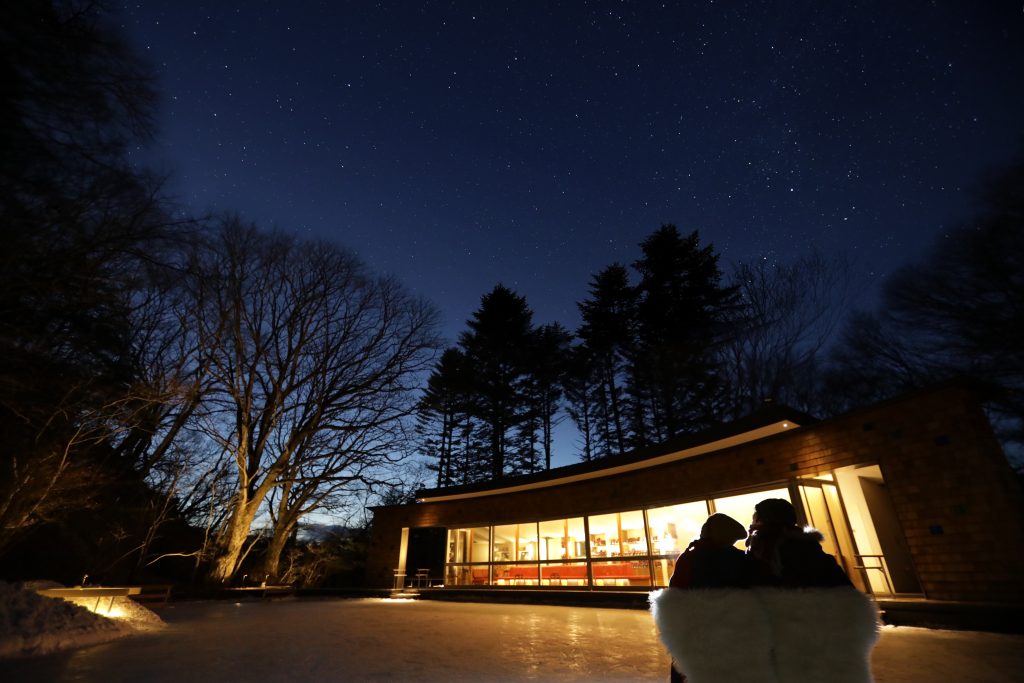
pixel 629 548
pixel 638 548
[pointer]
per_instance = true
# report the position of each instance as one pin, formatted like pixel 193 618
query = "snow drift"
pixel 31 624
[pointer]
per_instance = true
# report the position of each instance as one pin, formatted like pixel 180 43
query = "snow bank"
pixel 31 624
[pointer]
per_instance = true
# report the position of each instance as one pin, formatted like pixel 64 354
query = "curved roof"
pixel 769 420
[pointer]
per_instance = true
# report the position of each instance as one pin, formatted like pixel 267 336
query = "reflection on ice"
pixel 427 640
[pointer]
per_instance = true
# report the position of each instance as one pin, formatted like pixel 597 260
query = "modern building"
pixel 913 496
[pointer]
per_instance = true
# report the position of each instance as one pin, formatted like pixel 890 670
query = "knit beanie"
pixel 722 529
pixel 775 512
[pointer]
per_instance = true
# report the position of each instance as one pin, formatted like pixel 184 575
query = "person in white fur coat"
pixel 802 622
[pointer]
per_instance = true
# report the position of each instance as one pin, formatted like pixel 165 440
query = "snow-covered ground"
pixel 359 640
pixel 32 625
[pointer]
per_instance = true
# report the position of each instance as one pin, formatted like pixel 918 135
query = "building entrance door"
pixel 883 555
pixel 824 512
pixel 425 561
pixel 851 507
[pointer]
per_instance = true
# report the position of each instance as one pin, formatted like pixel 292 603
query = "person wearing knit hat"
pixel 784 612
pixel 788 554
pixel 712 561
pixel 722 530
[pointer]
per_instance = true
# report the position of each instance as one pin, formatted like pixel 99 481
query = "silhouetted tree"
pixel 496 348
pixel 684 316
pixel 790 313
pixel 608 333
pixel 441 412
pixel 547 361
pixel 871 362
pixel 581 403
pixel 78 225
pixel 958 312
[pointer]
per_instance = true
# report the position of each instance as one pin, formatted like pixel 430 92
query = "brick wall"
pixel 958 501
pixel 954 494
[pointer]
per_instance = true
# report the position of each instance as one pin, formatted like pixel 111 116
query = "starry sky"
pixel 456 145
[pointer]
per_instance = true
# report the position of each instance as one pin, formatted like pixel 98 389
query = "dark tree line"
pixel 75 220
pixel 645 367
pixel 958 312
pixel 648 362
pixel 171 391
pixel 671 346
pixel 491 403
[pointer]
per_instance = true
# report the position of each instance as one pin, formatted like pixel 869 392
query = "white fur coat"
pixel 768 635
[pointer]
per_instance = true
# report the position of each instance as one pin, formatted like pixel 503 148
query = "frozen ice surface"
pixel 369 640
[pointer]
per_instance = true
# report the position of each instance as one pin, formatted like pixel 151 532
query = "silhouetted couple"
pixel 782 612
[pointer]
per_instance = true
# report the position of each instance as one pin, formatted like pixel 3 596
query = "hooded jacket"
pixel 711 565
pixel 791 556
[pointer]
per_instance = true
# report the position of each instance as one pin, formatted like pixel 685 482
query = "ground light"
pixel 111 602
pixel 120 608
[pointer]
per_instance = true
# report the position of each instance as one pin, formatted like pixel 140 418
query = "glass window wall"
pixel 619 534
pixel 562 539
pixel 741 507
pixel 672 529
pixel 561 542
pixel 628 548
pixel 468 557
pixel 515 543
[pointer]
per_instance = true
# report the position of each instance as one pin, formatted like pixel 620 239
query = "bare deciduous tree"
pixel 312 363
pixel 957 312
pixel 791 313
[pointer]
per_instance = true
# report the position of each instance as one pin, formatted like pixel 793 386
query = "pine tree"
pixel 683 317
pixel 609 334
pixel 580 393
pixel 547 374
pixel 441 413
pixel 496 350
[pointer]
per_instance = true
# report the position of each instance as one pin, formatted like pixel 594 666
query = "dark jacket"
pixel 793 558
pixel 705 564
pixel 709 565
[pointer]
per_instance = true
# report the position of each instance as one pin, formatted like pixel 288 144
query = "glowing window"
pixel 515 543
pixel 741 507
pixel 562 539
pixel 673 527
pixel 619 534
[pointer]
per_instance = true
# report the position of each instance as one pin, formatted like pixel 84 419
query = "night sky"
pixel 456 145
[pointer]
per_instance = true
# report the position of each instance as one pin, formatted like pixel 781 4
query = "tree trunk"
pixel 284 525
pixel 272 558
pixel 229 557
pixel 497 457
pixel 613 393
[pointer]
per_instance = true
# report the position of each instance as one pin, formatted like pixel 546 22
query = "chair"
pixel 423 578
